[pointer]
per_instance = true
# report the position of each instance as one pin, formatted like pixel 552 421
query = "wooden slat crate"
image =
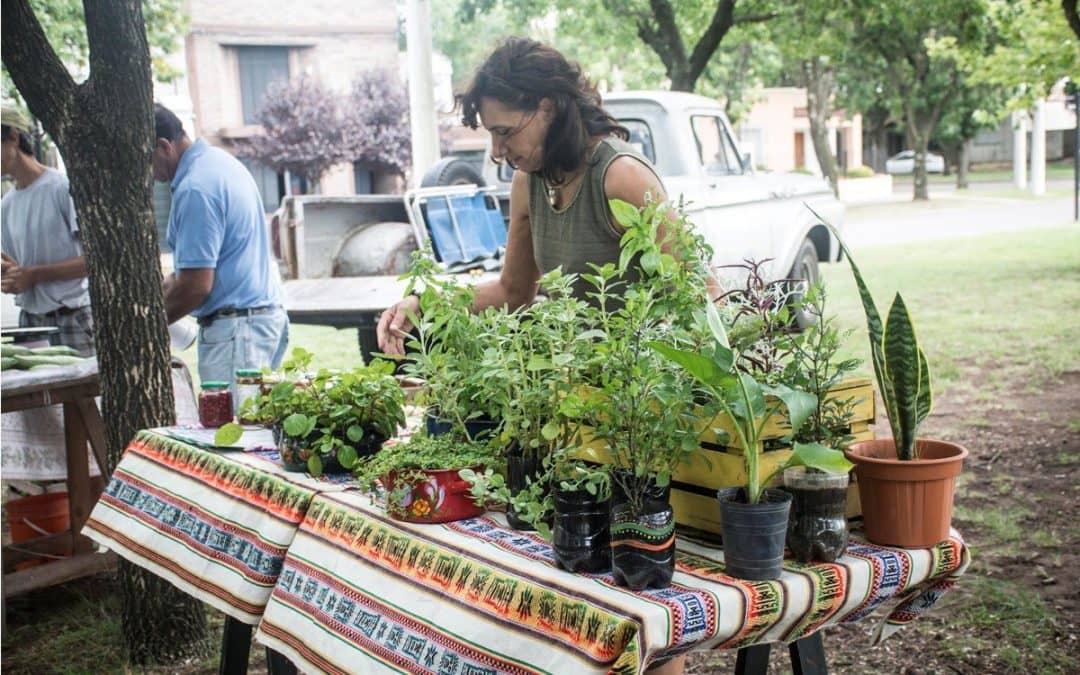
pixel 694 483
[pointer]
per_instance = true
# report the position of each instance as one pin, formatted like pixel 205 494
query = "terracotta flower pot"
pixel 907 503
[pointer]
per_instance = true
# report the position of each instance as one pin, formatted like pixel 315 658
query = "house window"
pixel 267 180
pixel 259 66
pixel 362 179
pixel 715 147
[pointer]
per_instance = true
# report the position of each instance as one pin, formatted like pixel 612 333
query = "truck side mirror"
pixel 744 159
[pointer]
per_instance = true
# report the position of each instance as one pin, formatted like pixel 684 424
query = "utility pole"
pixel 1073 91
pixel 1038 149
pixel 422 119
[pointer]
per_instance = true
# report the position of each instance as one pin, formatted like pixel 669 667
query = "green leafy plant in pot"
pixel 422 478
pixel 639 407
pixel 445 352
pixel 753 518
pixel 817 526
pixel 339 417
pixel 535 358
pixel 906 483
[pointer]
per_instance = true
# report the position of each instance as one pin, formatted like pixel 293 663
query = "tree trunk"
pixel 963 164
pixel 951 154
pixel 919 142
pixel 819 85
pixel 104 128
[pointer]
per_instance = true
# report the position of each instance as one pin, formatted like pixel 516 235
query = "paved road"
pixel 949 214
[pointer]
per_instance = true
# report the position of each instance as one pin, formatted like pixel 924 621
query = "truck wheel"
pixel 805 270
pixel 452 171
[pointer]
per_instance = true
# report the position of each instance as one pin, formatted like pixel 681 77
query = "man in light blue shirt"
pixel 225 275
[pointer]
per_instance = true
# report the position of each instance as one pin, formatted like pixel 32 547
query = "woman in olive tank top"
pixel 570 158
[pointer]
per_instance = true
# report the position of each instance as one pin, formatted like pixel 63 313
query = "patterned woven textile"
pixel 361 593
pixel 215 524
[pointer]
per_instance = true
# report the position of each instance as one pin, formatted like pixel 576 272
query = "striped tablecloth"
pixel 361 593
pixel 216 524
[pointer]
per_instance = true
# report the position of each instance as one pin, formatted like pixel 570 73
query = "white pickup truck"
pixel 342 254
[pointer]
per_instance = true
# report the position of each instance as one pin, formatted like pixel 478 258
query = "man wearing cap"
pixel 43 263
pixel 224 273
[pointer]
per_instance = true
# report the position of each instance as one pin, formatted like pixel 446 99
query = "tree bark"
pixel 963 164
pixel 818 79
pixel 1071 15
pixel 104 128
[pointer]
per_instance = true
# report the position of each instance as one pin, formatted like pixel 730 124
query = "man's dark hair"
pixel 521 72
pixel 166 124
pixel 26 144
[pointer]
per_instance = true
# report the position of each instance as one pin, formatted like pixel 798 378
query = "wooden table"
pixel 82 423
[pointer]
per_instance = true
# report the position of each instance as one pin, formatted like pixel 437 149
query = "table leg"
pixel 235 647
pixel 808 655
pixel 753 660
pixel 95 429
pixel 276 664
pixel 80 500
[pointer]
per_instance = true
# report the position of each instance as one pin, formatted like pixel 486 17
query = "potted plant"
pixel 639 407
pixel 817 526
pixel 906 483
pixel 445 353
pixel 422 478
pixel 535 357
pixel 340 416
pixel 753 518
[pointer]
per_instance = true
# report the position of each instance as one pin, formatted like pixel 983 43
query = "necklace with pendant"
pixel 552 194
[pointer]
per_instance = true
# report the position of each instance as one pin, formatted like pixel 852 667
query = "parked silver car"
pixel 904 162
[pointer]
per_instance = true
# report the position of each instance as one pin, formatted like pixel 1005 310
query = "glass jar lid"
pixel 215 385
pixel 249 372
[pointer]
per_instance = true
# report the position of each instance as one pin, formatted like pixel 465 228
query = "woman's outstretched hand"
pixel 395 324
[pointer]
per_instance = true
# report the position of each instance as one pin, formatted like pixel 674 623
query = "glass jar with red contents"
pixel 215 404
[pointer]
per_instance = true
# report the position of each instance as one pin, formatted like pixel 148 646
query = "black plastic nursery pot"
pixel 754 533
pixel 580 533
pixel 817 527
pixel 643 542
pixel 478 429
pixel 521 468
pixel 294 451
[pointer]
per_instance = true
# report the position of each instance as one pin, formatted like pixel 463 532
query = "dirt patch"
pixel 1016 609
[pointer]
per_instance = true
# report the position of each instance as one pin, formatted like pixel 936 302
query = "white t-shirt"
pixel 39 228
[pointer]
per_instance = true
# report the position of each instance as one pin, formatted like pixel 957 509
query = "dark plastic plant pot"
pixel 817 527
pixel 478 429
pixel 440 496
pixel 754 533
pixel 294 451
pixel 642 543
pixel 520 469
pixel 580 533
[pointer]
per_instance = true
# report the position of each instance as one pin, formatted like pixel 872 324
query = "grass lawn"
pixel 1001 172
pixel 1004 302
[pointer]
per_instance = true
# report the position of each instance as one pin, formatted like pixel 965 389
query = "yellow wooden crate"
pixel 695 482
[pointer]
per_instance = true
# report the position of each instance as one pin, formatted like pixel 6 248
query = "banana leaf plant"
pixel 900 367
pixel 745 401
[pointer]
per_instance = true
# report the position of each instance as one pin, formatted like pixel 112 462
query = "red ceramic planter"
pixel 441 496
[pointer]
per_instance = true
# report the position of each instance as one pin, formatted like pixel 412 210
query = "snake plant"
pixel 903 377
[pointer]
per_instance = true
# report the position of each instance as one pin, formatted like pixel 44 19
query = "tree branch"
pixel 721 23
pixel 36 70
pixel 1071 15
pixel 756 18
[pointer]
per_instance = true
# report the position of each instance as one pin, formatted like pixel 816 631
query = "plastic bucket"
pixel 37 516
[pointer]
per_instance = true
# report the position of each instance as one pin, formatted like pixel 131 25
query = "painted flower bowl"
pixel 429 496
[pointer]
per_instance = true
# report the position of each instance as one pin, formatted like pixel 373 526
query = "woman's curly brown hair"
pixel 519 74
